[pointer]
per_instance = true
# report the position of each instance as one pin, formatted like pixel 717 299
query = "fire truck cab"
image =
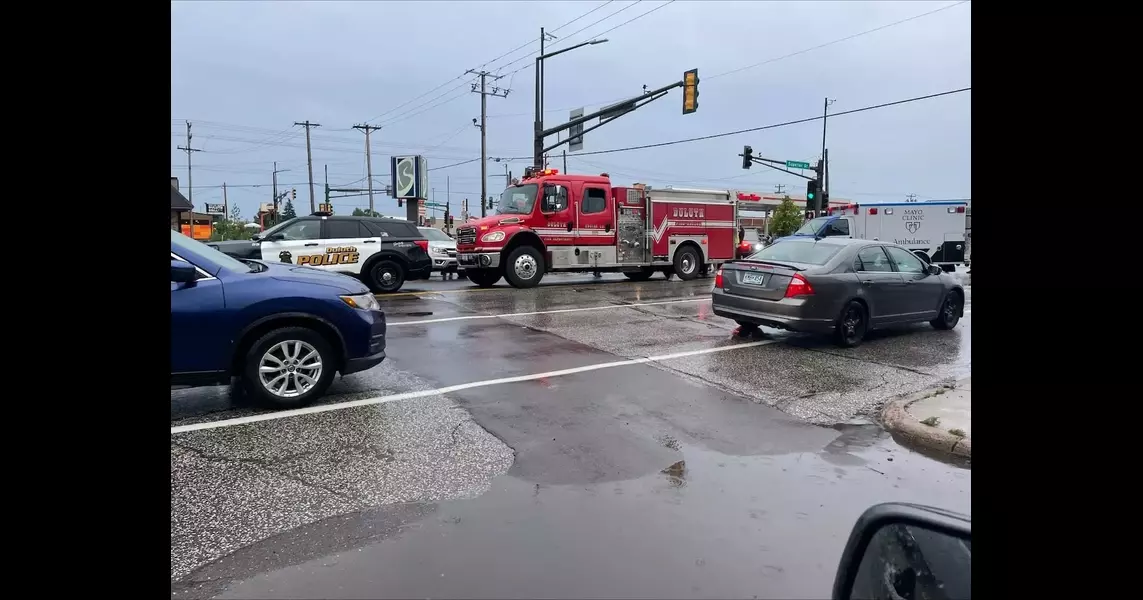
pixel 552 221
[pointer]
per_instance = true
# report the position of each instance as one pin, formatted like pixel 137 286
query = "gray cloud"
pixel 243 72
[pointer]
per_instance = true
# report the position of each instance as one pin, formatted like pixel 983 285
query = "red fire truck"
pixel 552 221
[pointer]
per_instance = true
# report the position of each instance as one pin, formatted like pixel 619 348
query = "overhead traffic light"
pixel 747 154
pixel 690 91
pixel 811 194
pixel 293 194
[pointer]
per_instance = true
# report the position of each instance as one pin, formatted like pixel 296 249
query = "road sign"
pixel 797 164
pixel 434 205
pixel 575 141
pixel 214 209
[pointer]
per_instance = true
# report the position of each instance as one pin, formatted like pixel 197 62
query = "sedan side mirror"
pixel 906 551
pixel 933 270
pixel 183 272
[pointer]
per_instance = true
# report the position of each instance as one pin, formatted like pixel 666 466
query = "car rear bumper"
pixel 781 314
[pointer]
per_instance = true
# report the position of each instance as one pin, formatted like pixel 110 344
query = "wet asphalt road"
pixel 720 468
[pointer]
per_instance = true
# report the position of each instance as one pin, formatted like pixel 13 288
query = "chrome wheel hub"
pixel 525 266
pixel 290 368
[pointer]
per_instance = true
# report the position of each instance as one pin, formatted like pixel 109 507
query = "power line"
pixel 765 62
pixel 774 126
pixel 461 76
pixel 837 41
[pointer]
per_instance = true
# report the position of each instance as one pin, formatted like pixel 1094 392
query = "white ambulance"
pixel 934 230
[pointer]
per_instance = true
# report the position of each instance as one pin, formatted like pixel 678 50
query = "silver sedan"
pixel 844 287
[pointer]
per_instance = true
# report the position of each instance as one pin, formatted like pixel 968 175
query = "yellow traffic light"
pixel 690 91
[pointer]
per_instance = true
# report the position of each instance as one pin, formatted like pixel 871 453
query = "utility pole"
pixel 822 175
pixel 565 160
pixel 484 94
pixel 327 184
pixel 275 198
pixel 309 159
pixel 190 181
pixel 368 161
pixel 225 211
pixel 778 188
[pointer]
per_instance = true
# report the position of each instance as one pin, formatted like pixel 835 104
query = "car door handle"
pixel 369 242
pixel 868 282
pixel 312 244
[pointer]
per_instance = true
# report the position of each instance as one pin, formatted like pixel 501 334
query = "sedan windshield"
pixel 517 200
pixel 797 251
pixel 812 226
pixel 184 247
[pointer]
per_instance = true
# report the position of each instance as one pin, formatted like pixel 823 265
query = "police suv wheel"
pixel 385 277
pixel 288 367
pixel 687 263
pixel 525 267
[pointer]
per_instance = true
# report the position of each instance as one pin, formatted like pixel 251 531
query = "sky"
pixel 243 72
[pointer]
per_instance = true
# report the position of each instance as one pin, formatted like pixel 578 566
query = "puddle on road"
pixel 711 525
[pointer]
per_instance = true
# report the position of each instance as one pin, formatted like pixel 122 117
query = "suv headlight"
pixel 442 251
pixel 362 301
pixel 495 236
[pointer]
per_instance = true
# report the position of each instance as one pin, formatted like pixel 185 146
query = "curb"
pixel 901 424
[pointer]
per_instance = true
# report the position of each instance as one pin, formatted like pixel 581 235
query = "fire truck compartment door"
pixel 632 236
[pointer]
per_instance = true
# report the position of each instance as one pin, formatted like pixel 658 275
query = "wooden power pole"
pixel 367 128
pixel 484 94
pixel 309 160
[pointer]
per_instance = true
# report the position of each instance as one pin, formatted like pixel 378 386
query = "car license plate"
pixel 753 278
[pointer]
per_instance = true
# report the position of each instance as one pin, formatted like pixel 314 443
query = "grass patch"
pixel 932 421
pixel 958 432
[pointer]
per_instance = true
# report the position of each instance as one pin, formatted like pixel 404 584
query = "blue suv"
pixel 283 330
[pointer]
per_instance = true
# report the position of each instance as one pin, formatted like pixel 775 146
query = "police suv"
pixel 381 252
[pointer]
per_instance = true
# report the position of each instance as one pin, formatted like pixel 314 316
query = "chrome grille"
pixel 466 235
pixel 451 253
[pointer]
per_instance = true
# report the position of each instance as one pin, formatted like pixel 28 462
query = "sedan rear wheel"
pixel 852 326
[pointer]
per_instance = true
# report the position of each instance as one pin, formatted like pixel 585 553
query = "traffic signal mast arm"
pixel 766 163
pixel 622 108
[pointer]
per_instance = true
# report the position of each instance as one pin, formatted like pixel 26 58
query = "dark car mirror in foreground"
pixel 933 270
pixel 182 272
pixel 906 551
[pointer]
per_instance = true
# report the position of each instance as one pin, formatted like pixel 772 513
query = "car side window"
pixel 838 227
pixel 907 262
pixel 594 201
pixel 337 229
pixel 873 260
pixel 302 230
pixel 375 229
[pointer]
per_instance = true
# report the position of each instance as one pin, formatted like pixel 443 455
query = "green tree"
pixel 288 211
pixel 232 227
pixel 786 218
pixel 365 212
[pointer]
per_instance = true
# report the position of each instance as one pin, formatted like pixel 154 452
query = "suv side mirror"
pixel 906 551
pixel 183 272
pixel 933 269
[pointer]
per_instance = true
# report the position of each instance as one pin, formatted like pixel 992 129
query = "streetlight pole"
pixel 538 125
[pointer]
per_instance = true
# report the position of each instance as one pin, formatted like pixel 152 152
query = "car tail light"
pixel 718 278
pixel 873 211
pixel 798 287
pixel 960 209
pixel 424 244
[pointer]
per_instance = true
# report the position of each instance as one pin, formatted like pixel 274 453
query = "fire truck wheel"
pixel 525 267
pixel 687 263
pixel 643 275
pixel 482 277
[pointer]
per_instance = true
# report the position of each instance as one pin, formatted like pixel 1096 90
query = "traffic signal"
pixel 450 220
pixel 293 194
pixel 690 91
pixel 825 199
pixel 811 194
pixel 747 154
